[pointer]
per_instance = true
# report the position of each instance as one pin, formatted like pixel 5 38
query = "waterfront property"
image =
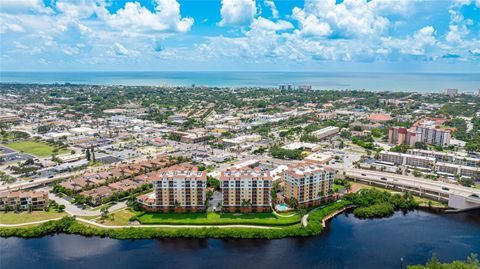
pixel 24 200
pixel 308 183
pixel 179 187
pixel 246 189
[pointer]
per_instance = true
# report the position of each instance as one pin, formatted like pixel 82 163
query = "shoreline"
pixel 87 228
pixel 72 225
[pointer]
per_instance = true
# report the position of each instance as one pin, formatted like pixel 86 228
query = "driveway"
pixel 74 210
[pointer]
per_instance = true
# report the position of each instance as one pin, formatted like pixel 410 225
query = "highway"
pixel 426 185
pixel 34 183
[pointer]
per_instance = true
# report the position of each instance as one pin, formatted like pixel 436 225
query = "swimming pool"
pixel 282 207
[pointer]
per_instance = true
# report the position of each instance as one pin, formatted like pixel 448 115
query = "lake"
pixel 348 242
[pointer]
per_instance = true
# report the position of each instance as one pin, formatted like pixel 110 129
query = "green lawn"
pixel 38 149
pixel 210 218
pixel 337 188
pixel 24 217
pixel 121 217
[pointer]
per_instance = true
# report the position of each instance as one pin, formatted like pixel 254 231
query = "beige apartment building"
pixel 308 183
pixel 179 188
pixel 22 200
pixel 246 189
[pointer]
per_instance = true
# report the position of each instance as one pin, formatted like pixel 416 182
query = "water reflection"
pixel 74 247
pixel 347 242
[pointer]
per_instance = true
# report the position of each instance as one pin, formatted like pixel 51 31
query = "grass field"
pixel 38 149
pixel 210 218
pixel 121 217
pixel 24 217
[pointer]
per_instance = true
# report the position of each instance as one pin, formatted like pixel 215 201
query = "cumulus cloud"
pixel 273 8
pixel 350 18
pixel 237 12
pixel 134 18
pixel 120 50
pixel 266 24
pixel 415 44
pixel 22 6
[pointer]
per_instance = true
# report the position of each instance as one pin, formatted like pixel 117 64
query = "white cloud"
pixel 10 27
pixel 120 50
pixel 350 18
pixel 23 6
pixel 414 45
pixel 269 25
pixel 237 12
pixel 77 8
pixel 310 25
pixel 134 18
pixel 273 8
pixel 466 2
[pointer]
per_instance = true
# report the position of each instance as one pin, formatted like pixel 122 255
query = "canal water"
pixel 348 242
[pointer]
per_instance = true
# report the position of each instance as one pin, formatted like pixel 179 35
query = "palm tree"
pixel 348 186
pixel 293 202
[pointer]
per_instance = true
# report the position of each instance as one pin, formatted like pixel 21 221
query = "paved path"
pixel 175 226
pixel 74 210
pixel 305 217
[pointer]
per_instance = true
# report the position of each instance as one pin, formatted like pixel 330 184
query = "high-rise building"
pixel 308 183
pixel 450 92
pixel 434 135
pixel 179 188
pixel 246 189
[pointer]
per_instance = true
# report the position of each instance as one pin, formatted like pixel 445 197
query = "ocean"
pixel 410 82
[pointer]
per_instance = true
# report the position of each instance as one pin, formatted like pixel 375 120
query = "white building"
pixel 326 132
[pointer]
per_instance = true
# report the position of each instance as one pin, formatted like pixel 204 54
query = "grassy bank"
pixel 210 218
pixel 70 226
pixel 25 217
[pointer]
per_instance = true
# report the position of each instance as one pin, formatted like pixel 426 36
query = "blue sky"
pixel 241 35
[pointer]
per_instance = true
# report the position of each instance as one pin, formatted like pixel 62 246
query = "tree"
pixel 467 182
pixel 61 208
pixel 293 202
pixel 348 186
pixel 87 154
pixel 93 154
pixel 104 212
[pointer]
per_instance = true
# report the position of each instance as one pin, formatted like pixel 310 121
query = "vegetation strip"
pixel 70 226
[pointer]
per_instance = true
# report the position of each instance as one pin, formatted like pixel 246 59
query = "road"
pixel 74 210
pixel 411 181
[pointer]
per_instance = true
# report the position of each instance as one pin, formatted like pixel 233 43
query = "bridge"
pixel 458 197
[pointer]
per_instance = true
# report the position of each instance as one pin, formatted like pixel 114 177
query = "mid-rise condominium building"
pixel 21 200
pixel 402 135
pixel 427 132
pixel 308 183
pixel 246 189
pixel 434 135
pixel 408 159
pixel 453 158
pixel 179 188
